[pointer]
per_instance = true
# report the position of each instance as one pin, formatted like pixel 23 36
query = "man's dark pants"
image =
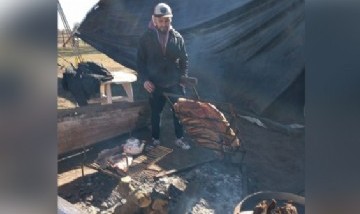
pixel 157 103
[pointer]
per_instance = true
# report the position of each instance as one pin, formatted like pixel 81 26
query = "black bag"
pixel 84 81
pixel 94 69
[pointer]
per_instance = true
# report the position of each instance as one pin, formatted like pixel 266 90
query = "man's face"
pixel 162 23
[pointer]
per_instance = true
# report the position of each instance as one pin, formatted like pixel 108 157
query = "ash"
pixel 211 188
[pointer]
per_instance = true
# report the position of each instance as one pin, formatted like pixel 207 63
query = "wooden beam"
pixel 84 126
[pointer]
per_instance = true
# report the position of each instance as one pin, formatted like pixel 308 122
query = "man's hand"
pixel 149 86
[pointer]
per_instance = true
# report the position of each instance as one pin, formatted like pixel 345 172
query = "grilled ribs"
pixel 206 125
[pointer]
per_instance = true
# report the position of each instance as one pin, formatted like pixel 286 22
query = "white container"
pixel 133 141
pixel 133 146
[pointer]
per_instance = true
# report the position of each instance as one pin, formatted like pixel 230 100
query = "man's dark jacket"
pixel 163 70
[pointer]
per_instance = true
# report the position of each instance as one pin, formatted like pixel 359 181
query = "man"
pixel 161 61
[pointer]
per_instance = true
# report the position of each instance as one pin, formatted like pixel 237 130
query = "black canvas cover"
pixel 247 52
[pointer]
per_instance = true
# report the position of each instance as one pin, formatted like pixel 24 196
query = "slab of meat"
pixel 206 125
pixel 120 162
pixel 265 207
pixel 288 208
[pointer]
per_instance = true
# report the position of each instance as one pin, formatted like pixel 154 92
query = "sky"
pixel 75 11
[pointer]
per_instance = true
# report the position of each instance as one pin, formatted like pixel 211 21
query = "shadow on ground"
pixel 94 189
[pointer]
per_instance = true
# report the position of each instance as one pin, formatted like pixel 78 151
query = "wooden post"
pixel 63 36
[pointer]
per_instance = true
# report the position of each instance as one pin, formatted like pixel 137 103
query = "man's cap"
pixel 162 10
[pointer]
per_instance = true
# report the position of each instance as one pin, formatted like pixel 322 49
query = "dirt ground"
pixel 274 161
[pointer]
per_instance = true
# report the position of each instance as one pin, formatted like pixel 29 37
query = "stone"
pixel 141 198
pixel 160 206
pixel 179 183
pixel 127 208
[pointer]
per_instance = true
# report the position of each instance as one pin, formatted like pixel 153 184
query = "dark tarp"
pixel 246 52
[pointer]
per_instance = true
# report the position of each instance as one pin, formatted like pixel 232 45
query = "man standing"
pixel 161 61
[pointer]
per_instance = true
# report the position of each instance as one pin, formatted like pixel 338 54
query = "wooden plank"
pixel 85 126
pixel 63 114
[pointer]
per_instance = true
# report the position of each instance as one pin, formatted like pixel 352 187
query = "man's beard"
pixel 163 29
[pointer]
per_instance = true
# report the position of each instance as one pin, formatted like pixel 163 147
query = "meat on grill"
pixel 206 125
pixel 264 207
pixel 288 208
